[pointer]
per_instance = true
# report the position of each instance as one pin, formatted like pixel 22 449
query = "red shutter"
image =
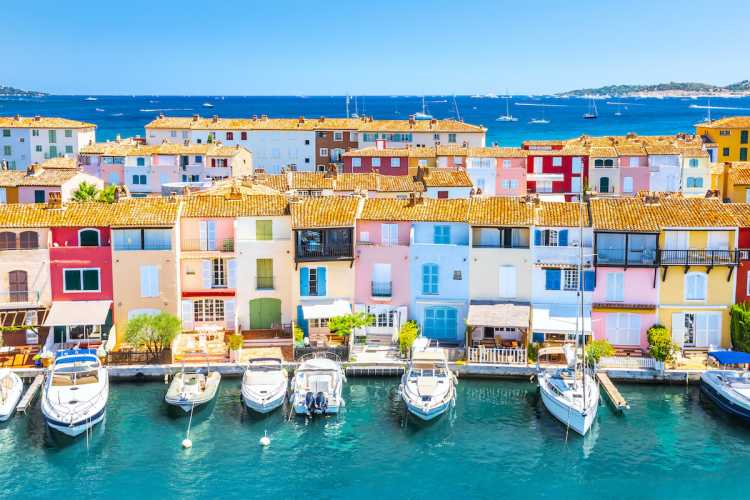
pixel 243 135
pixel 442 194
pixel 213 162
pixel 230 136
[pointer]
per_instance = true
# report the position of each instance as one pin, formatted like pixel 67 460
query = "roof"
pixel 740 212
pixel 641 215
pixel 128 148
pixel 234 205
pixel 500 211
pixel 277 182
pixel 739 173
pixel 419 210
pixel 499 315
pixel 41 122
pixel 138 212
pixel 728 122
pixel 324 212
pixel 490 152
pixel 60 162
pixel 363 124
pixel 40 177
pixel 555 214
pixel 442 177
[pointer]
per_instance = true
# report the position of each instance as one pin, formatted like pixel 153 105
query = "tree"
pixel 660 344
pixel 86 192
pixel 740 326
pixel 344 325
pixel 107 195
pixel 598 349
pixel 153 332
pixel 407 335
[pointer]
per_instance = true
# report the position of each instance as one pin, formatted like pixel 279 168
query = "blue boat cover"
pixel 730 357
pixel 73 355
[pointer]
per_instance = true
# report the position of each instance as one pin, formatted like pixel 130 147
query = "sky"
pixel 290 47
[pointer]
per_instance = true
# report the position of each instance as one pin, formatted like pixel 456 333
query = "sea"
pixel 499 442
pixel 126 115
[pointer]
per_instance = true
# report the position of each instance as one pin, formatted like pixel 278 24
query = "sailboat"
pixel 592 113
pixel 618 112
pixel 708 118
pixel 539 121
pixel 507 117
pixel 423 115
pixel 571 394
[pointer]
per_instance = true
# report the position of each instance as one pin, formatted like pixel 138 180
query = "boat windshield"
pixel 75 375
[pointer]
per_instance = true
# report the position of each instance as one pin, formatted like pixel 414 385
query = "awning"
pixel 499 315
pixel 560 319
pixel 730 357
pixel 326 309
pixel 85 312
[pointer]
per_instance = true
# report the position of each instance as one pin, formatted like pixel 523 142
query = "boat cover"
pixel 730 357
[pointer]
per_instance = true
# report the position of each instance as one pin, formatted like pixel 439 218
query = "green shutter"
pixel 264 273
pixel 263 230
pixel 264 313
pixel 52 136
pixel 91 279
pixel 72 279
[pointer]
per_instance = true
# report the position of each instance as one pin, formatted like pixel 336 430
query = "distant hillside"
pixel 6 90
pixel 664 89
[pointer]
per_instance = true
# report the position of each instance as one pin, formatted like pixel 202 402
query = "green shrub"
pixel 344 325
pixel 660 345
pixel 533 352
pixel 299 335
pixel 235 341
pixel 596 350
pixel 407 335
pixel 740 326
pixel 153 332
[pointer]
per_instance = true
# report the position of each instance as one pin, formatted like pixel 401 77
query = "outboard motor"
pixel 321 402
pixel 309 402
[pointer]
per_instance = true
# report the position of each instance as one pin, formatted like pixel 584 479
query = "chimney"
pixel 412 199
pixel 18 118
pixel 195 118
pixel 161 115
pixel 37 118
pixel 322 119
pixel 33 170
pixel 234 192
pixel 380 144
pixel 412 120
pixel 264 117
pixel 419 199
pixel 301 119
pixel 54 200
pixel 330 172
pixel 215 119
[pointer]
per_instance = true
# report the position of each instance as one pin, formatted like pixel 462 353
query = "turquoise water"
pixel 498 443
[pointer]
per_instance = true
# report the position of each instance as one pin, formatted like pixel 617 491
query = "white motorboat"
pixel 207 105
pixel 75 392
pixel 316 387
pixel 729 389
pixel 264 384
pixel 428 387
pixel 189 390
pixel 11 388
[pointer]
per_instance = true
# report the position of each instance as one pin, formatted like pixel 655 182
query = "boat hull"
pixel 426 413
pixel 265 406
pixel 13 396
pixel 78 427
pixel 579 421
pixel 722 400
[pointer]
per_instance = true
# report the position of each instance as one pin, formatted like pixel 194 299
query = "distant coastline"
pixel 671 89
pixel 8 91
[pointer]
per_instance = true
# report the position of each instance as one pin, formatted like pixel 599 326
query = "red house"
pixel 741 212
pixel 80 277
pixel 555 168
pixel 382 160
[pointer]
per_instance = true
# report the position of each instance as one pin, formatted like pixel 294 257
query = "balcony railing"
pixel 17 246
pixel 698 257
pixel 381 288
pixel 621 257
pixel 201 245
pixel 312 252
pixel 264 282
pixel 20 297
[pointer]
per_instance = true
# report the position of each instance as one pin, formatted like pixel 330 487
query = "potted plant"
pixel 660 345
pixel 406 336
pixel 46 358
pixel 101 353
pixel 235 347
pixel 598 349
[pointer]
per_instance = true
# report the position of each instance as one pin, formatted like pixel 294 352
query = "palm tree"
pixel 85 192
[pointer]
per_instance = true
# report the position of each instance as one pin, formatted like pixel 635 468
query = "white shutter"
pixel 634 329
pixel 149 281
pixel 203 235
pixel 230 319
pixel 714 329
pixel 701 329
pixel 401 318
pixel 718 240
pixel 210 235
pixel 613 332
pixel 232 273
pixel 206 273
pixel 627 184
pixel 381 273
pixel 187 315
pixel 507 281
pixel 678 328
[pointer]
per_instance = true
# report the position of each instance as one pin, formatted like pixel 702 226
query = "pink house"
pixel 634 174
pixel 382 275
pixel 511 176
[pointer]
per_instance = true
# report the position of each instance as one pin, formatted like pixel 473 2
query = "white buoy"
pixel 265 441
pixel 187 443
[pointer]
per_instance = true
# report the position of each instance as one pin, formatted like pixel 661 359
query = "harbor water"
pixel 498 442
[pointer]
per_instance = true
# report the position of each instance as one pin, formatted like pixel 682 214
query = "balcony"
pixel 324 244
pixel 264 283
pixel 708 258
pixel 322 252
pixel 619 257
pixel 7 246
pixel 201 245
pixel 382 289
pixel 19 298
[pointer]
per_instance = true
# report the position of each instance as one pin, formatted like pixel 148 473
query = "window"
pixel 218 273
pixel 633 162
pixel 395 162
pixel 538 164
pixel 623 329
pixel 230 136
pixel 440 322
pixel 743 154
pixel 140 161
pixel 173 133
pixel 7 240
pixel 356 162
pixel 81 280
pixel 68 133
pixel 693 162
pixel 430 279
pixel 157 239
pixel 364 236
pixel 29 240
pixel 126 239
pixel 40 196
pixel 457 275
pixel 570 279
pixel 352 136
pixel 264 230
pixel 506 163
pixel 375 162
pixel 451 138
pixel 627 185
pixel 695 182
pixel 18 286
pixel 389 235
pixel 383 318
pixel 324 152
pixel 507 282
pixel 543 186
pixel 552 279
pixel 264 274
pixel 338 136
pixel 697 329
pixel 318 323
pixel 442 235
pixel 312 281
pixel 436 137
pixel 140 180
pixel 695 286
pixel 577 165
pixel 615 287
pixel 69 149
pixel 198 159
pixel 551 237
pixel 724 132
pixel 34 133
pixel 725 151
pixel 149 281
pixel 84 332
pixel 6 132
pixel 208 310
pixel 52 136
pixel 38 148
pixel 88 238
pixel 557 161
pixel 7 150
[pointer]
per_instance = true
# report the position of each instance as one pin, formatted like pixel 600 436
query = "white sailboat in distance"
pixel 507 117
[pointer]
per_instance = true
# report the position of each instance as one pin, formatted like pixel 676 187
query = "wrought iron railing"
pixel 381 288
pixel 202 245
pixel 698 257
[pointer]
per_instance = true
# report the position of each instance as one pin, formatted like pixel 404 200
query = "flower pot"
pixel 46 362
pixel 235 355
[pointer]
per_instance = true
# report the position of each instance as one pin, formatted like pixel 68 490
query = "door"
pixel 18 286
pixel 265 313
pixel 575 184
pixel 508 282
pixel 604 185
pixel 39 196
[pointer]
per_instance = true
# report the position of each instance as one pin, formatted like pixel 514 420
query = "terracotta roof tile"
pixel 41 122
pixel 42 177
pixel 501 211
pixel 424 210
pixel 323 212
pixel 740 212
pixel 554 214
pixel 635 214
pixel 728 122
pixel 739 173
pixel 234 205
pixel 277 182
pixel 443 177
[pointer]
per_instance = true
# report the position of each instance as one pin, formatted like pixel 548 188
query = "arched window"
pixel 7 240
pixel 29 240
pixel 430 279
pixel 88 238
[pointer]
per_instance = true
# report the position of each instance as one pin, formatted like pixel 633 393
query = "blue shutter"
pixel 304 282
pixel 552 279
pixel 301 321
pixel 562 238
pixel 588 281
pixel 537 237
pixel 321 281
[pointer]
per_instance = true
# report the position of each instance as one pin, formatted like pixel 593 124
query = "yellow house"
pixel 697 266
pixel 730 135
pixel 737 176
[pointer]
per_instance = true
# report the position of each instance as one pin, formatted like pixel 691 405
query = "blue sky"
pixel 272 47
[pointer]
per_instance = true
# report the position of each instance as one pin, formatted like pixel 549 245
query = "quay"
pixel 612 393
pixel 30 393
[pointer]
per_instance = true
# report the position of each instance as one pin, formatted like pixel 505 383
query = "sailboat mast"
pixel 347 105
pixel 580 289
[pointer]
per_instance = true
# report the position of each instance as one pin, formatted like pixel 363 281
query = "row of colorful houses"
pixel 229 260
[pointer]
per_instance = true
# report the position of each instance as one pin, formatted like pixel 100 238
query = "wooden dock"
pixel 30 394
pixel 613 394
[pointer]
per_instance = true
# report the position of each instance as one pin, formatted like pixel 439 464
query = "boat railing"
pixel 61 410
pixel 320 355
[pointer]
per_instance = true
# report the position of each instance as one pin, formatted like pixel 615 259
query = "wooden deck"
pixel 612 393
pixel 28 397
